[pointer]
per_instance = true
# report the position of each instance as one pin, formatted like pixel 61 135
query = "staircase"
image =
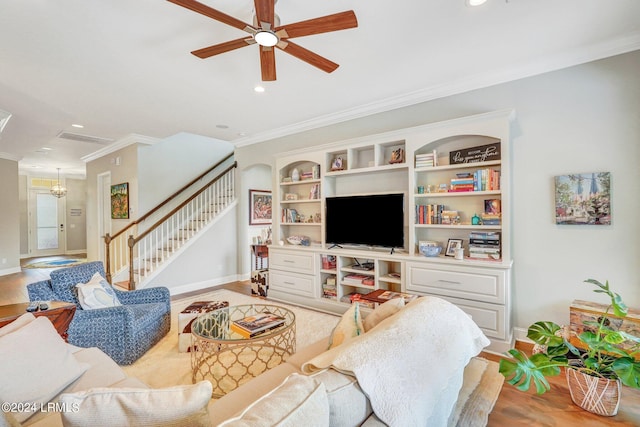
pixel 140 250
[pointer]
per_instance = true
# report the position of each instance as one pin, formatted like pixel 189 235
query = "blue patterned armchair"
pixel 125 332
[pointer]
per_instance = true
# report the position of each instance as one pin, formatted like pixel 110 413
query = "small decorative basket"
pixel 431 251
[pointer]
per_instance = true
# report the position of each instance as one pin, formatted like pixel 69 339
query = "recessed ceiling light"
pixel 222 126
pixel 242 134
pixel 75 125
pixel 259 89
pixel 476 2
pixel 35 167
pixel 46 148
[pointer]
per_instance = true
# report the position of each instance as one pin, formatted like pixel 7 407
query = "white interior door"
pixel 47 225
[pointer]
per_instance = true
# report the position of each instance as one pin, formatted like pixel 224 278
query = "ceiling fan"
pixel 268 34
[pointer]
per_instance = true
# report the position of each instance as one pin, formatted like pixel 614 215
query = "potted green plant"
pixel 594 371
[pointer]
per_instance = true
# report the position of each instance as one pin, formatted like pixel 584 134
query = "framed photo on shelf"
pixel 452 245
pixel 120 201
pixel 259 207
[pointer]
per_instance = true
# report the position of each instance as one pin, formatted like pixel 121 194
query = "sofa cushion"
pixel 348 405
pixel 298 401
pixel 36 365
pixel 17 324
pixel 350 326
pixel 239 399
pixel 383 311
pixel 184 405
pixel 96 293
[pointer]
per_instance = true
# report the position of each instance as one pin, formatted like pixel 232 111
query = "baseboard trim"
pixel 198 286
pixel 10 271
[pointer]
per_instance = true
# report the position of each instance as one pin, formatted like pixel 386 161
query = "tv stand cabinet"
pixel 325 276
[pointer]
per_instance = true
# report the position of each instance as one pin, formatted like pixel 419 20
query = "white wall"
pixel 582 119
pixel 209 260
pixel 9 217
pixel 255 177
pixel 167 165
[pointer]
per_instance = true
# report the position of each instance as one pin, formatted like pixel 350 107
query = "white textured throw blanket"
pixel 411 364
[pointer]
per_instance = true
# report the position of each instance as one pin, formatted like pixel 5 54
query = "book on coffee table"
pixel 256 324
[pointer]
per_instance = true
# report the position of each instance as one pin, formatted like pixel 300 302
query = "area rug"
pixel 164 366
pixel 56 263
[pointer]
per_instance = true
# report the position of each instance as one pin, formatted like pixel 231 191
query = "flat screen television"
pixel 371 220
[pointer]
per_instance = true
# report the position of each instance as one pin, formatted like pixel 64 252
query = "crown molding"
pixel 618 46
pixel 9 156
pixel 118 145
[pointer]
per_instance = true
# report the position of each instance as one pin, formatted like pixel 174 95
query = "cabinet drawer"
pixel 294 283
pixel 291 261
pixel 491 318
pixel 463 282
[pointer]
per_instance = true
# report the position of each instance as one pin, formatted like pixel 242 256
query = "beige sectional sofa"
pixel 315 386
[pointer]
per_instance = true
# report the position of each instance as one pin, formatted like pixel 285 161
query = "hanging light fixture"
pixel 58 190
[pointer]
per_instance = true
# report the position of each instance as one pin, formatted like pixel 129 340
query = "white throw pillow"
pixel 298 401
pixel 383 311
pixel 350 326
pixel 36 365
pixel 17 324
pixel 96 293
pixel 183 405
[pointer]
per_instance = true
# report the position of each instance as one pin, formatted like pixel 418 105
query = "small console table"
pixel 59 312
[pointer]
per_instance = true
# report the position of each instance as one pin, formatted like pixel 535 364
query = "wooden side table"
pixel 60 313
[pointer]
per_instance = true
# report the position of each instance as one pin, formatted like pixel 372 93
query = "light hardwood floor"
pixel 513 408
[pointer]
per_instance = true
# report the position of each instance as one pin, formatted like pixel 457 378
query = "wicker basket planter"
pixel 595 394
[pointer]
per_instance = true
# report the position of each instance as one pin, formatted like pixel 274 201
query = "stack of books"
pixel 490 219
pixel 486 180
pixel 484 245
pixel 427 160
pixel 257 324
pixel 357 280
pixel 329 289
pixel 462 182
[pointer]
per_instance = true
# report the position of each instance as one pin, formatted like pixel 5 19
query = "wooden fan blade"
pixel 265 11
pixel 216 49
pixel 324 24
pixel 211 13
pixel 268 64
pixel 307 56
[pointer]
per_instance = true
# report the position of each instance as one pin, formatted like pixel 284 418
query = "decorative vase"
pixel 295 175
pixel 595 394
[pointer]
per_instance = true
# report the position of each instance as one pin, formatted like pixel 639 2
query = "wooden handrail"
pixel 133 240
pixel 171 197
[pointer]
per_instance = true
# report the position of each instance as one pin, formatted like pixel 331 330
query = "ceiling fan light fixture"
pixel 266 38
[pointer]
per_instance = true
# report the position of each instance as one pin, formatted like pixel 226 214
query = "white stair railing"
pixel 174 223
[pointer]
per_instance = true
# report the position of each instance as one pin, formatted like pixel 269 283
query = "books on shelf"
pixel 480 180
pixel 357 280
pixel 484 245
pixel 314 192
pixel 382 295
pixel 429 214
pixel 256 324
pixel 427 159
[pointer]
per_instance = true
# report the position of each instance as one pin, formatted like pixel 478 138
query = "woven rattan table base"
pixel 227 361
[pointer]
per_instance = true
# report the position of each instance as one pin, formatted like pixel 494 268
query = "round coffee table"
pixel 228 359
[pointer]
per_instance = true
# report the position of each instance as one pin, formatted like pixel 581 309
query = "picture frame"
pixel 583 199
pixel 337 164
pixel 452 245
pixel 120 201
pixel 260 203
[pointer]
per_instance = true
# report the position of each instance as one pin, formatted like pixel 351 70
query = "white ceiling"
pixel 123 67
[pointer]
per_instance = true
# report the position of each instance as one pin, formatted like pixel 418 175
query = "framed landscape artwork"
pixel 259 207
pixel 120 201
pixel 583 199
